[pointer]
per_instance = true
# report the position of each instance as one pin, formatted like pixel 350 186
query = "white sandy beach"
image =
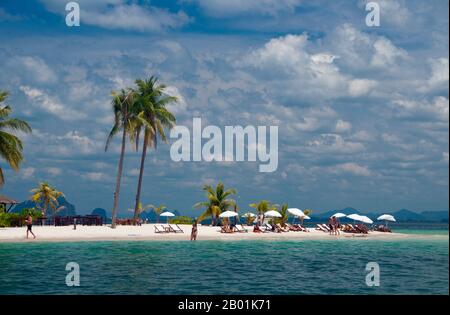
pixel 147 232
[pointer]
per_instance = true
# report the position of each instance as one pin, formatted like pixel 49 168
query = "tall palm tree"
pixel 158 210
pixel 262 207
pixel 218 202
pixel 11 146
pixel 151 102
pixel 125 120
pixel 46 196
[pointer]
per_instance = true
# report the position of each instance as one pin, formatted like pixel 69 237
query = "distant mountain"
pixel 407 215
pixel 441 216
pixel 100 212
pixel 68 210
pixel 400 215
pixel 328 214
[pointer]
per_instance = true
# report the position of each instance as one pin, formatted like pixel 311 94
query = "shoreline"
pixel 146 232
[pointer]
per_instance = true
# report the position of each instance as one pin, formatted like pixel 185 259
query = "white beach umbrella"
pixel 306 217
pixel 365 219
pixel 167 214
pixel 354 217
pixel 273 214
pixel 339 215
pixel 386 217
pixel 296 212
pixel 249 214
pixel 228 214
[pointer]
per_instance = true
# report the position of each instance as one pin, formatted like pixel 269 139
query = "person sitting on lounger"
pixel 257 229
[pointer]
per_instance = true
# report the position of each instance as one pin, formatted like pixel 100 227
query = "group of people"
pixel 334 225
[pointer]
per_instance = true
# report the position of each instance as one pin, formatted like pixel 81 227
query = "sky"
pixel 362 112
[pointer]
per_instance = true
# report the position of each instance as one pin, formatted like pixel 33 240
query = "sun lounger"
pixel 223 229
pixel 175 229
pixel 242 229
pixel 159 231
pixel 293 228
pixel 319 227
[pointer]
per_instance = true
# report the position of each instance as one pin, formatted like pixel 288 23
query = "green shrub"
pixel 11 219
pixel 181 220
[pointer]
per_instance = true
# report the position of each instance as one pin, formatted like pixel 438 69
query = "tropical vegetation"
pixel 218 201
pixel 46 197
pixel 11 147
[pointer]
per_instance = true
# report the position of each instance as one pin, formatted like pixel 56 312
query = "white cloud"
pixel 53 171
pixel 351 168
pixel 33 68
pixel 95 176
pixel 439 72
pixel 437 109
pixel 360 87
pixel 50 104
pixel 27 173
pixel 386 53
pixel 118 14
pixel 334 143
pixel 343 126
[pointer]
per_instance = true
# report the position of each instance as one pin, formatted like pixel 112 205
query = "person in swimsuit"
pixel 194 231
pixel 29 221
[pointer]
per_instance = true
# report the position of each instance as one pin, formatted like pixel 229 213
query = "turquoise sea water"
pixel 416 266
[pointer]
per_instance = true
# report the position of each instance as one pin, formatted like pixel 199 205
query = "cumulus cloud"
pixel 27 172
pixel 50 104
pixel 33 68
pixel 119 14
pixel 360 87
pixel 437 109
pixel 352 168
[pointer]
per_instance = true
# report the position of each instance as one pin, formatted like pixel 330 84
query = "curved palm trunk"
pixel 118 180
pixel 141 174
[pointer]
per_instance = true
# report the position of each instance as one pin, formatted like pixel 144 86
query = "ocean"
pixel 413 266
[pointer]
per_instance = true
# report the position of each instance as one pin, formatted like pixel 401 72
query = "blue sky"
pixel 363 113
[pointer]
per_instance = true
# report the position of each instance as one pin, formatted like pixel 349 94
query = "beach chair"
pixel 242 229
pixel 167 228
pixel 159 231
pixel 293 228
pixel 319 227
pixel 175 229
pixel 223 229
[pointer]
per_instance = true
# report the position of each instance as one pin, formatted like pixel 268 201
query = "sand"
pixel 147 232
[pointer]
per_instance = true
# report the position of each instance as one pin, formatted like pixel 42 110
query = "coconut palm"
pixel 284 214
pixel 158 210
pixel 125 120
pixel 218 202
pixel 46 196
pixel 262 207
pixel 11 146
pixel 151 102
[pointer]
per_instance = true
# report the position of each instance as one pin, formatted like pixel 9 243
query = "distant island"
pixel 402 215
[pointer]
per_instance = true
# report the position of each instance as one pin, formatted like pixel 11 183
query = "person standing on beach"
pixel 337 226
pixel 29 221
pixel 194 231
pixel 331 225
